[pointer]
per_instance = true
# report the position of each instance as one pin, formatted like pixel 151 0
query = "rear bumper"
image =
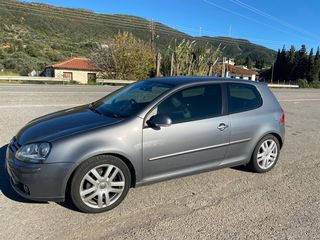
pixel 39 182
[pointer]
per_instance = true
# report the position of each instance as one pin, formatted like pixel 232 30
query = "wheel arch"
pixel 123 158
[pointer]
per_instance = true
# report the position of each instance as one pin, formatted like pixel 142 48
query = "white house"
pixel 240 72
pixel 77 69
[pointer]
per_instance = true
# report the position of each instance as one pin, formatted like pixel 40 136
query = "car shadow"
pixel 242 168
pixel 5 186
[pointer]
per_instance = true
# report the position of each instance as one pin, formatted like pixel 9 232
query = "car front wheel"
pixel 100 184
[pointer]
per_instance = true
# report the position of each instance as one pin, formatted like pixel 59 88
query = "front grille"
pixel 14 145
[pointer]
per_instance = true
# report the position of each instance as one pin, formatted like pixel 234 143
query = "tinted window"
pixel 243 97
pixel 193 103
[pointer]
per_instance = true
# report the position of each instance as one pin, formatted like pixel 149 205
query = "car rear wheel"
pixel 100 184
pixel 266 154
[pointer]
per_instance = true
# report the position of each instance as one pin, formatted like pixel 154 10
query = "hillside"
pixel 33 35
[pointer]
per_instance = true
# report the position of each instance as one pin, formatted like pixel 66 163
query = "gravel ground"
pixel 223 204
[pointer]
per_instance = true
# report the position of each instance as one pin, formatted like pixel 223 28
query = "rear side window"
pixel 243 97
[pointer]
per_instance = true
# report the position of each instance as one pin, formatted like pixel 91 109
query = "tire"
pixel 264 160
pixel 100 184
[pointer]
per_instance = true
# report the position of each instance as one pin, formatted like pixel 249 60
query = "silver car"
pixel 147 132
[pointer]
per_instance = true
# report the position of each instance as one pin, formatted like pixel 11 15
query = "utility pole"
pixel 158 64
pixel 200 31
pixel 152 27
pixel 172 64
pixel 272 72
pixel 230 30
pixel 223 68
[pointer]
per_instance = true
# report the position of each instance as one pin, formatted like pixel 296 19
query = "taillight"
pixel 283 118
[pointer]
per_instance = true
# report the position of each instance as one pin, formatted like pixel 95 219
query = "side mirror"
pixel 159 120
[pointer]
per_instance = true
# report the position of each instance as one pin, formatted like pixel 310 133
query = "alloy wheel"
pixel 102 186
pixel 267 154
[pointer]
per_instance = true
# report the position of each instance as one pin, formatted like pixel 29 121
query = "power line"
pixel 123 24
pixel 248 18
pixel 271 17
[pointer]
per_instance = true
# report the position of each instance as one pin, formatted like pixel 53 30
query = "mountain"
pixel 33 35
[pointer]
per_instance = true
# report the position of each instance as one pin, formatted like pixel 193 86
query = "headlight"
pixel 34 152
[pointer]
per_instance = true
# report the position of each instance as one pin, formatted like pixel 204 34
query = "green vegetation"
pixel 125 57
pixel 303 83
pixel 296 66
pixel 33 35
pixel 8 73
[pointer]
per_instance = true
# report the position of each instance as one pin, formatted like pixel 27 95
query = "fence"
pixel 113 81
pixel 100 81
pixel 34 79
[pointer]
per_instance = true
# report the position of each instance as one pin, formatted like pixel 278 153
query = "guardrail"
pixel 113 81
pixel 282 86
pixel 34 79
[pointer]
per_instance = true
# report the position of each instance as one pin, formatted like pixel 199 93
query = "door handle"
pixel 222 126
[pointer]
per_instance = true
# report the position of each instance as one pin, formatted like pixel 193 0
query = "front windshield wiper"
pixel 93 109
pixel 105 113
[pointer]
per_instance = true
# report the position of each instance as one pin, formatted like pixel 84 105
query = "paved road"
pixel 224 204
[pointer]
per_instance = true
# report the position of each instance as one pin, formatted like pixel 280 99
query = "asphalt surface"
pixel 223 204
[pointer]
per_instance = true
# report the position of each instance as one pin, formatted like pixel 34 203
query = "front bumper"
pixel 38 181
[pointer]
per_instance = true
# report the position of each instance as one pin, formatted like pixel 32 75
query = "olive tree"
pixel 124 57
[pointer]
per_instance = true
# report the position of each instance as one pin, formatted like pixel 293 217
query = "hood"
pixel 62 124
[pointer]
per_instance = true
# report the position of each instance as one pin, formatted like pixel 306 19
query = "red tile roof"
pixel 76 63
pixel 240 71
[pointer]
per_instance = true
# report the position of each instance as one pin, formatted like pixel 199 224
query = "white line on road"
pixel 41 105
pixel 47 93
pixel 300 100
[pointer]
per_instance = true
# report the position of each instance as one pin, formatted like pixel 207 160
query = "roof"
pixel 240 71
pixel 182 80
pixel 76 63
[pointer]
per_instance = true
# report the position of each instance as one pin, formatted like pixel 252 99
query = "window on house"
pixel 68 75
pixel 92 77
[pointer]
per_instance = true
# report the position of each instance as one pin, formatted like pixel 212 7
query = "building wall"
pixel 245 77
pixel 77 75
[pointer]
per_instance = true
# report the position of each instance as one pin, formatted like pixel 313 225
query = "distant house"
pixel 240 72
pixel 77 69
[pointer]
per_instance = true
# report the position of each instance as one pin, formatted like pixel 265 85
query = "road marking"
pixel 41 105
pixel 47 93
pixel 300 100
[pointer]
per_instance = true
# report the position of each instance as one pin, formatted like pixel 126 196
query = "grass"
pixel 9 73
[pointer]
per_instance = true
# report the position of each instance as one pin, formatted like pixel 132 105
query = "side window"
pixel 243 97
pixel 193 103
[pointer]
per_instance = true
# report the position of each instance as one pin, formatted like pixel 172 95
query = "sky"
pixel 271 23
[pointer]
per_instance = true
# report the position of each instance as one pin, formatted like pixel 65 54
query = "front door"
pixel 198 137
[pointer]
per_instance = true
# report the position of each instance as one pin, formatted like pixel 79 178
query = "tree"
pixel 249 62
pixel 310 68
pixel 302 63
pixel 124 57
pixel 315 70
pixel 291 64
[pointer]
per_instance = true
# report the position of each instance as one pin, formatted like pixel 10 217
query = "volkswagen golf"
pixel 149 131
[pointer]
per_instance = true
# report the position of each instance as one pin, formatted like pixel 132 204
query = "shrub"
pixel 316 84
pixel 303 83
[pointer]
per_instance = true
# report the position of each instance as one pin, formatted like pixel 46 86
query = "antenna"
pixel 230 30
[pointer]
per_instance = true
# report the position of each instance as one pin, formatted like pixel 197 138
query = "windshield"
pixel 130 100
